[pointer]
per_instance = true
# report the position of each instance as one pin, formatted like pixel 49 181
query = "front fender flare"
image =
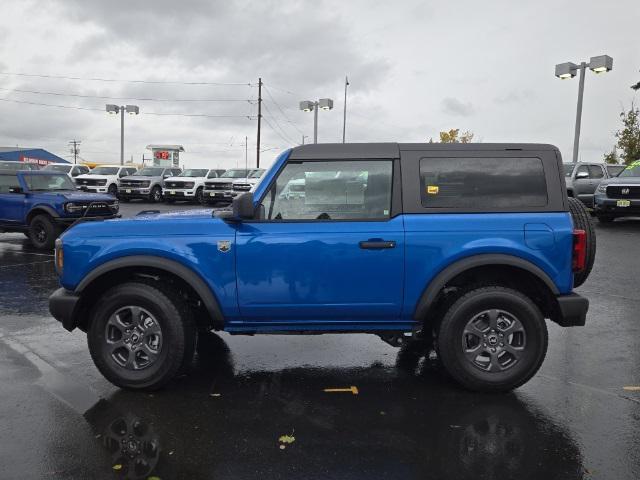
pixel 430 293
pixel 189 276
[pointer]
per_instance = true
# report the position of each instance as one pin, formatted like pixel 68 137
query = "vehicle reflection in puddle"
pixel 407 421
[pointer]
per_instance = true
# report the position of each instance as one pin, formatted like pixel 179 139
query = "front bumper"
pixel 91 189
pixel 124 192
pixel 177 194
pixel 604 204
pixel 215 196
pixel 573 310
pixel 63 305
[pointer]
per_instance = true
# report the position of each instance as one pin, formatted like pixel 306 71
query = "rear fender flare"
pixel 430 293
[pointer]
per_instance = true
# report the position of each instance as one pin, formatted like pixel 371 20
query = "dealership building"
pixel 38 156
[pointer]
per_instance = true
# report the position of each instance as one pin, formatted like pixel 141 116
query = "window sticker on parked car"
pixel 433 189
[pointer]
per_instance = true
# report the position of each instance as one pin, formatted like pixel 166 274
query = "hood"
pixel 182 214
pixel 188 222
pixel 86 176
pixel 621 181
pixel 139 177
pixel 184 179
pixel 75 196
pixel 87 197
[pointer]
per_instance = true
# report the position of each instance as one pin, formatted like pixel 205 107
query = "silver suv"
pixel 583 178
pixel 147 183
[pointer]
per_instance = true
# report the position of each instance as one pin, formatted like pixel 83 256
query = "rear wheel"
pixel 492 339
pixel 582 221
pixel 140 335
pixel 43 232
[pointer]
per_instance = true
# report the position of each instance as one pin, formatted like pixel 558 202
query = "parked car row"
pixel 611 191
pixel 230 184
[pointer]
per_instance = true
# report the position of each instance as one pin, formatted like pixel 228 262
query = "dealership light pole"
pixel 600 64
pixel 114 110
pixel 309 106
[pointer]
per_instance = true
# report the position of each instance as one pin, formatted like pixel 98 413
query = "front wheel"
pixel 156 194
pixel 43 232
pixel 113 190
pixel 140 335
pixel 603 218
pixel 199 195
pixel 492 339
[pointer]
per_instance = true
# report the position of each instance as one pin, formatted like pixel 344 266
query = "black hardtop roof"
pixel 392 150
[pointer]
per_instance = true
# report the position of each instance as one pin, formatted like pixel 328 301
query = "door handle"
pixel 375 244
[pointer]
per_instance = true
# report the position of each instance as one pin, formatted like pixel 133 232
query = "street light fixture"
pixel 599 64
pixel 309 106
pixel 114 110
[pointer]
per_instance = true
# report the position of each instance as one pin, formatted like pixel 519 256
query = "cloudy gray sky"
pixel 415 67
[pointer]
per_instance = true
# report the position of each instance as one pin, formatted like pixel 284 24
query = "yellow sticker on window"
pixel 432 189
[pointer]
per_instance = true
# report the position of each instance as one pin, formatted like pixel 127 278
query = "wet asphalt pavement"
pixel 574 420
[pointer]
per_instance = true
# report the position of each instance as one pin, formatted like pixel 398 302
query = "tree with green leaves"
pixel 454 136
pixel 629 135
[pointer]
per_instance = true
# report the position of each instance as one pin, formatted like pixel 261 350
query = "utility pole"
pixel 246 154
pixel 259 121
pixel 344 117
pixel 74 149
pixel 303 137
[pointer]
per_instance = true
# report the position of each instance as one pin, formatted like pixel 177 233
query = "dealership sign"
pixel 36 161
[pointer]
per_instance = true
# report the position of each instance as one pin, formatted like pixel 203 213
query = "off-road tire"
pixel 175 318
pixel 582 221
pixel 43 232
pixel 113 190
pixel 451 348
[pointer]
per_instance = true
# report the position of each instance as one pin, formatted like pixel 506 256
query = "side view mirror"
pixel 241 209
pixel 165 176
pixel 15 190
pixel 581 175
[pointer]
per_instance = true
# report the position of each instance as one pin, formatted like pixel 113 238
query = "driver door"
pixel 329 251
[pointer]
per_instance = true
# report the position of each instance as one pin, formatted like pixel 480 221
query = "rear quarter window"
pixel 7 182
pixel 482 183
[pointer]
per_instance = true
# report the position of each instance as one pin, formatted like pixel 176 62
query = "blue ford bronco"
pixel 41 204
pixel 468 247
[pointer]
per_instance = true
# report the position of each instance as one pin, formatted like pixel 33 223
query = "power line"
pixel 282 112
pixel 116 80
pixel 143 99
pixel 74 107
pixel 287 141
pixel 272 116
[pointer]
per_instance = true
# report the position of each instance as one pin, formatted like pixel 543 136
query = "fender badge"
pixel 224 246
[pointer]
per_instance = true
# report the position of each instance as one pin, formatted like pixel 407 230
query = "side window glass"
pixel 331 190
pixel 582 169
pixel 474 183
pixel 7 182
pixel 595 171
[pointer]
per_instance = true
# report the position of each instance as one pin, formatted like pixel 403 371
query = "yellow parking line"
pixel 632 388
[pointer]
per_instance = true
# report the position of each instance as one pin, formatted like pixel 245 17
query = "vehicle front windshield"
pixel 256 174
pixel 633 170
pixel 104 171
pixel 49 183
pixel 149 172
pixel 194 172
pixel 568 169
pixel 234 173
pixel 58 168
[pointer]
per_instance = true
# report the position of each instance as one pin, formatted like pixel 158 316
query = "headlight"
pixel 602 188
pixel 73 207
pixel 102 182
pixel 115 206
